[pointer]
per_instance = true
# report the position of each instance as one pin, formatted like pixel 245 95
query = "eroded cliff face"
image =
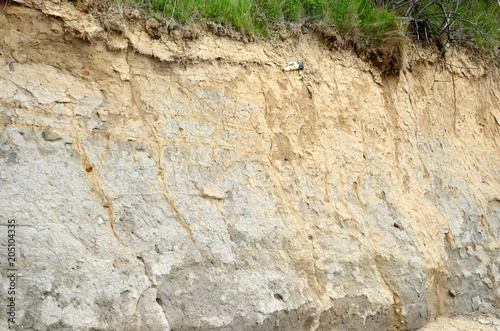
pixel 193 185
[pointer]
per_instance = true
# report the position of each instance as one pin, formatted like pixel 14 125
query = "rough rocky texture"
pixel 469 322
pixel 164 183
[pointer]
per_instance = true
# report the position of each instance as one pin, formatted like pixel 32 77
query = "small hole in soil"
pixel 89 169
pixel 278 296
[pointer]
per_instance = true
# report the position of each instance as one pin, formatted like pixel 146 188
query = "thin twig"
pixel 173 11
pixel 447 27
pixel 455 100
pixel 437 63
pixel 452 65
pixel 5 6
pixel 424 8
pixel 444 17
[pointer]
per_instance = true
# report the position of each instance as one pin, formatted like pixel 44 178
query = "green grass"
pixel 261 17
pixel 477 20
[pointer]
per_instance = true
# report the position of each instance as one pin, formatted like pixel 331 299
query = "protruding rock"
pixel 295 66
pixel 476 303
pixel 151 312
pixel 213 193
pixel 153 28
pixel 49 135
pixel 4 120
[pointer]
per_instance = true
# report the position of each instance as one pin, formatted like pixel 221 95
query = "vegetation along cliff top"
pixel 376 21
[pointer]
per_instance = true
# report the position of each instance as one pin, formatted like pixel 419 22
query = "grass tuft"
pixel 378 20
pixel 260 17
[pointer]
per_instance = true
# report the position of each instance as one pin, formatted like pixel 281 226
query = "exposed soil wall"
pixel 169 178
